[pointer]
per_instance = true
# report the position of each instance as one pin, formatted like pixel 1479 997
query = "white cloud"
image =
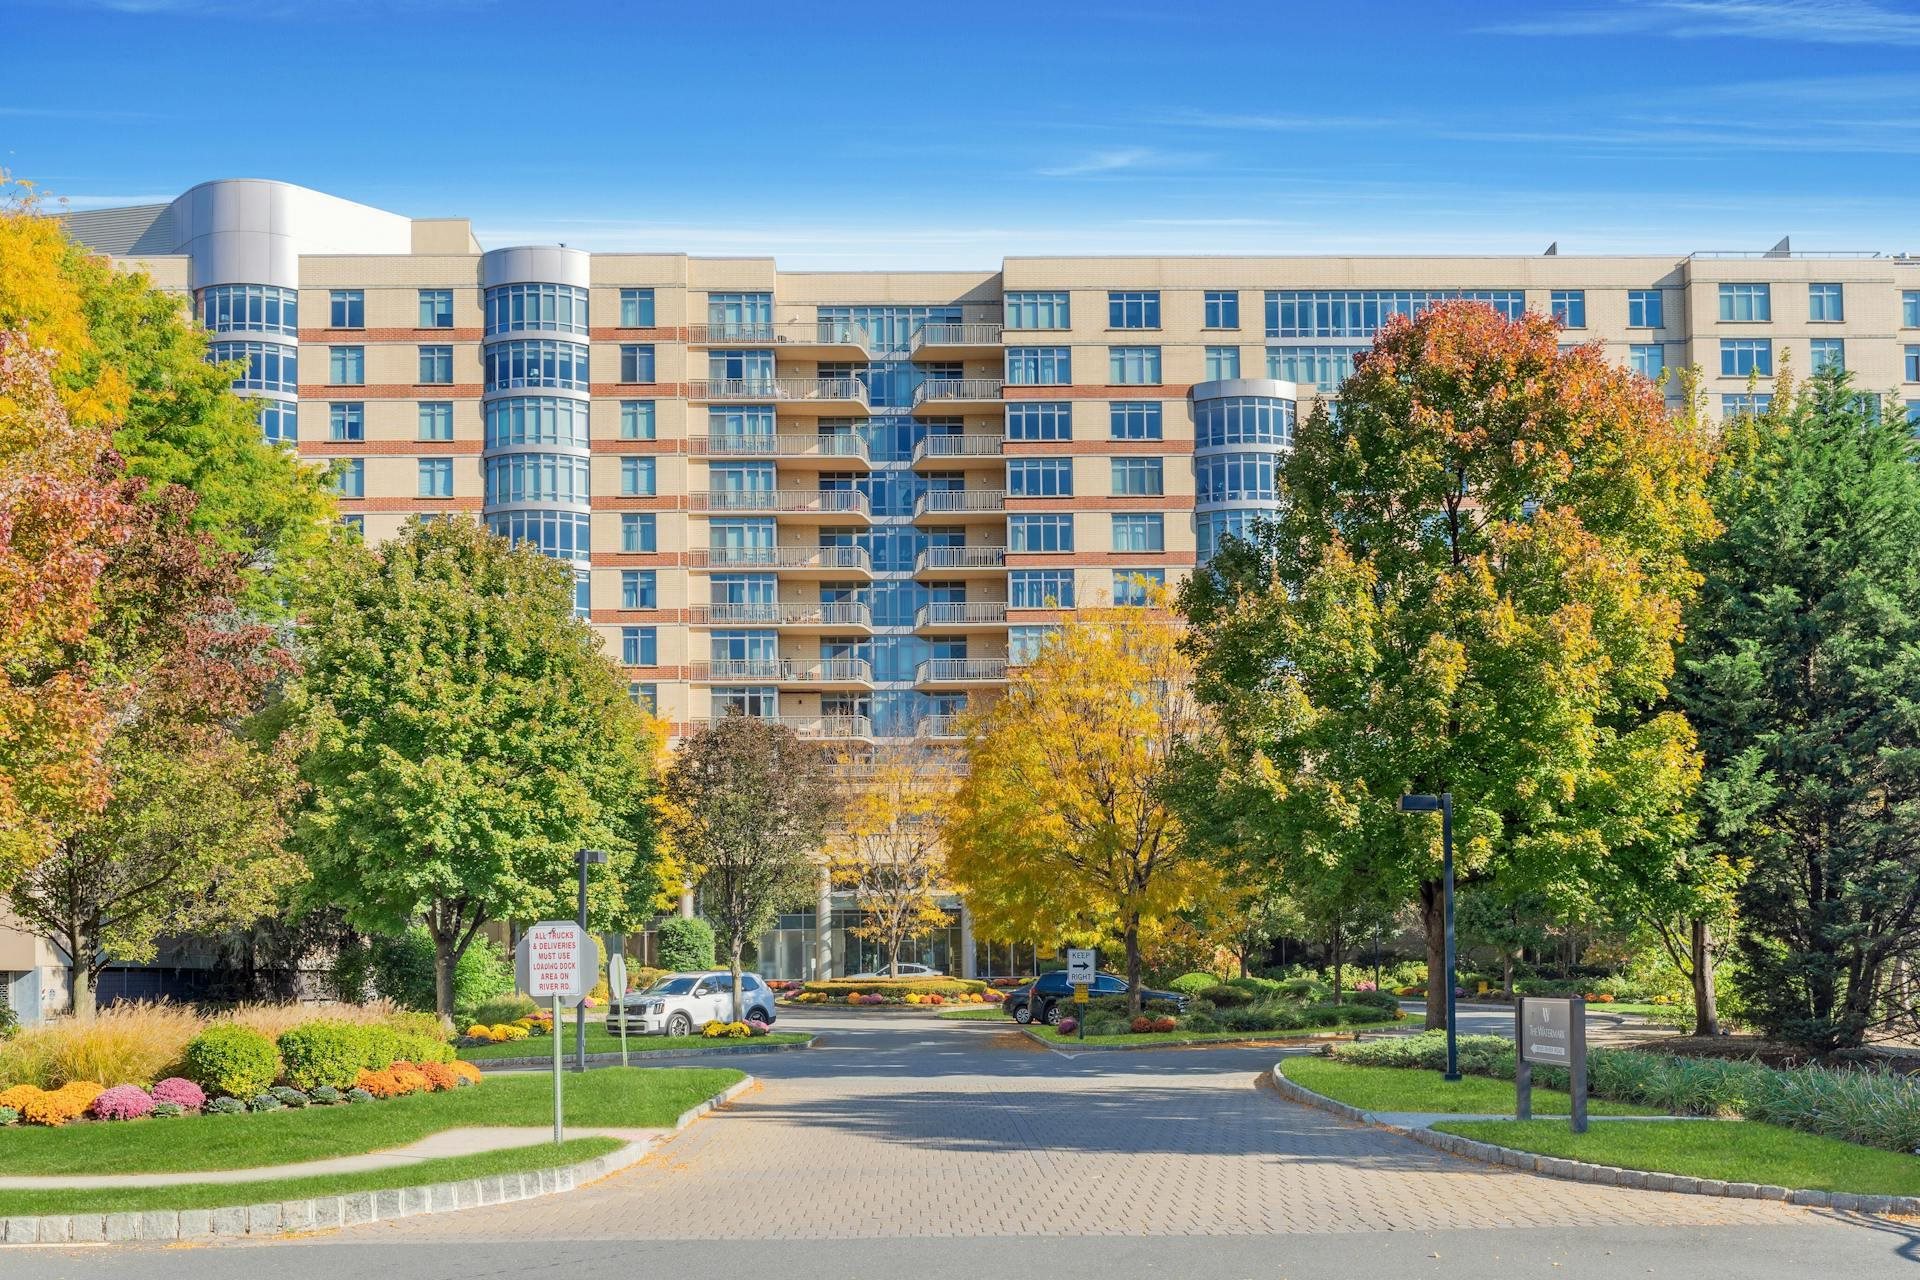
pixel 1109 161
pixel 1806 21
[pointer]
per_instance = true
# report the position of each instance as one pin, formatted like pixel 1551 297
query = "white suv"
pixel 681 1003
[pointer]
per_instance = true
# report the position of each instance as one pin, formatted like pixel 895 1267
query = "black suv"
pixel 1048 998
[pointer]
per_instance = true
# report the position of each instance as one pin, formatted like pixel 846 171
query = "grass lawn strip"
pixel 220 1195
pixel 1052 1036
pixel 1407 1089
pixel 983 1013
pixel 639 1098
pixel 1726 1150
pixel 599 1040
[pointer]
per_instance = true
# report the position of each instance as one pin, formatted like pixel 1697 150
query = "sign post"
pixel 556 961
pixel 1081 965
pixel 617 996
pixel 1552 1032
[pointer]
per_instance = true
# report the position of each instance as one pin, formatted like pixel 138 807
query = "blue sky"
pixel 837 134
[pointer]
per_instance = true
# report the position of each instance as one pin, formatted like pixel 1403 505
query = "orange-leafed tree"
pixel 889 851
pixel 1064 824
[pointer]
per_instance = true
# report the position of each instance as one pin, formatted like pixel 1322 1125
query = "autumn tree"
pixel 1475 587
pixel 1802 673
pixel 1063 825
pixel 469 738
pixel 748 804
pixel 889 852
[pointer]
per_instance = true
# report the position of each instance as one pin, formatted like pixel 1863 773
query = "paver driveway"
pixel 928 1129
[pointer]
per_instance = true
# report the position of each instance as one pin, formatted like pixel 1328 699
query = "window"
pixel 1040 589
pixel 1133 366
pixel 1242 420
pixel 356 523
pixel 1570 307
pixel 346 422
pixel 1039 420
pixel 1913 364
pixel 1913 414
pixel 436 420
pixel 1212 528
pixel 638 589
pixel 1648 359
pixel 269 366
pixel 279 421
pixel 636 420
pixel 1039 366
pixel 636 477
pixel 636 362
pixel 347 366
pixel 645 696
pixel 536 420
pixel 1826 303
pixel 1742 356
pixel 436 365
pixel 1135 586
pixel 564 535
pixel 1733 406
pixel 1039 477
pixel 636 308
pixel 1024 643
pixel 1134 420
pixel 1744 302
pixel 1133 309
pixel 1910 309
pixel 1322 368
pixel 1237 477
pixel 1037 311
pixel 1357 313
pixel 347 309
pixel 436 477
pixel 516 308
pixel 1645 310
pixel 1138 476
pixel 1039 533
pixel 1223 309
pixel 536 477
pixel 351 480
pixel 1135 531
pixel 536 362
pixel 1222 362
pixel 640 646
pixel 250 306
pixel 436 308
pixel 639 531
pixel 1829 354
pixel 740 315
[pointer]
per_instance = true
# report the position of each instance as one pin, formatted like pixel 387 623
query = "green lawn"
pixel 1407 1089
pixel 1053 1036
pixel 218 1195
pixel 1729 1150
pixel 977 1013
pixel 600 1040
pixel 636 1097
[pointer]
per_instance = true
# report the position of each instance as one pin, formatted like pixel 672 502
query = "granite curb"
pixel 545 1061
pixel 1605 1175
pixel 326 1212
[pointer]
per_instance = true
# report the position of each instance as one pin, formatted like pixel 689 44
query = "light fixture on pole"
pixel 584 858
pixel 1443 803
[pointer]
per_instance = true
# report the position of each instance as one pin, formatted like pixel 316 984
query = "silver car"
pixel 679 1004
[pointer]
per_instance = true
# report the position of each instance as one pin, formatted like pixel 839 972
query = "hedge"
pixel 684 943
pixel 324 1052
pixel 233 1060
pixel 897 987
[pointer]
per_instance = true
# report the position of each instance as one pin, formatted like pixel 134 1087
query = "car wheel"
pixel 1023 1014
pixel 679 1025
pixel 1053 1015
pixel 760 1016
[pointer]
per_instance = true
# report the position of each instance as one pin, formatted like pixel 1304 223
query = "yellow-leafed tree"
pixel 1062 826
pixel 890 853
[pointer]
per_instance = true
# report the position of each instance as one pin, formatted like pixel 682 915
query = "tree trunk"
pixel 445 961
pixel 1433 921
pixel 84 1004
pixel 1706 1013
pixel 1506 973
pixel 1133 962
pixel 734 948
pixel 1338 958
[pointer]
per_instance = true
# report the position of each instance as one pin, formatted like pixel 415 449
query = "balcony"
pixel 798 562
pixel 829 673
pixel 960 562
pixel 955 341
pixel 840 451
pixel 947 452
pixel 959 506
pixel 938 728
pixel 797 616
pixel 958 395
pixel 812 728
pixel 804 506
pixel 961 615
pixel 815 339
pixel 948 673
pixel 819 397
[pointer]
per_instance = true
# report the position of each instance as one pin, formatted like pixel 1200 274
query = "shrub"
pixel 231 1059
pixel 18 1096
pixel 379 1046
pixel 356 1094
pixel 1141 1025
pixel 322 1052
pixel 271 1020
pixel 8 1116
pixel 466 1072
pixel 54 1109
pixel 130 1042
pixel 440 1076
pixel 1104 1023
pixel 420 1047
pixel 167 1111
pixel 265 1102
pixel 685 943
pixel 1258 986
pixel 85 1091
pixel 184 1094
pixel 508 1008
pixel 226 1107
pixel 402 970
pixel 1307 989
pixel 122 1102
pixel 292 1098
pixel 1223 996
pixel 1192 984
pixel 325 1095
pixel 380 1084
pixel 1067 1026
pixel 1199 1021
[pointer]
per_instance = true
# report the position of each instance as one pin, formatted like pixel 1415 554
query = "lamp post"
pixel 583 859
pixel 1444 803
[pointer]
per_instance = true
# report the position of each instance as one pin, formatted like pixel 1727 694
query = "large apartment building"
pixel 851 499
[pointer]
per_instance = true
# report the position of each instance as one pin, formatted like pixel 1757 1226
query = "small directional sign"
pixel 1080 961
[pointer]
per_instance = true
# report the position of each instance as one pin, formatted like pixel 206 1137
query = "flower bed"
pixel 902 993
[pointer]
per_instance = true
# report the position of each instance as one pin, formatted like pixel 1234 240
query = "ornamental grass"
pixel 134 1043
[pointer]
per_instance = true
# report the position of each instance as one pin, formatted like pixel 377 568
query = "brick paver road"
pixel 929 1129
